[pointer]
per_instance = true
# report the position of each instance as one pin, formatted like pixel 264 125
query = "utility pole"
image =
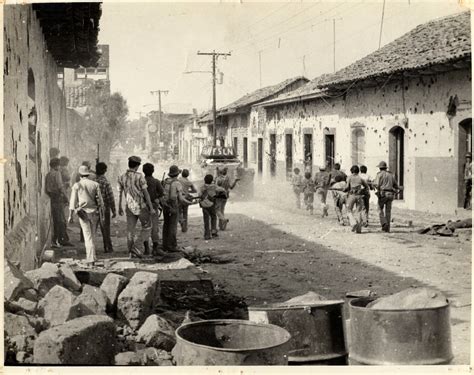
pixel 260 66
pixel 334 41
pixel 304 66
pixel 214 55
pixel 160 129
pixel 381 22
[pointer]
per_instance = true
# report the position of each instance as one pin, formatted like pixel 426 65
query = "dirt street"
pixel 275 252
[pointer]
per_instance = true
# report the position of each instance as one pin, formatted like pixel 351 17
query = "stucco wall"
pixel 430 140
pixel 24 48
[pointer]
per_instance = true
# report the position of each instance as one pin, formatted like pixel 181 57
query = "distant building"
pixel 84 85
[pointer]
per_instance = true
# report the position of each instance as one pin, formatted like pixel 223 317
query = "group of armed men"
pixel 91 198
pixel 351 193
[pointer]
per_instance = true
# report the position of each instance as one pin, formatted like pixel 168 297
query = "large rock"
pixel 112 286
pixel 23 305
pixel 128 359
pixel 15 281
pixel 23 343
pixel 45 277
pixel 92 301
pixel 57 307
pixel 89 340
pixel 136 301
pixel 156 332
pixel 17 325
pixel 70 280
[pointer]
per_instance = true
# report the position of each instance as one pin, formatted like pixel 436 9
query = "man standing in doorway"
pixel 138 205
pixel 54 187
pixel 468 181
pixel 109 205
pixel 387 187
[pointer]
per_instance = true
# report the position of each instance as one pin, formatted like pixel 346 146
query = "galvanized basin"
pixel 230 343
pixel 317 331
pixel 399 337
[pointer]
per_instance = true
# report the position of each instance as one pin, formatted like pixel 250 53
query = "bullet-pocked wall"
pixel 404 123
pixel 34 114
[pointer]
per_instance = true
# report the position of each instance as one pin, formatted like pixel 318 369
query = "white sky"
pixel 152 44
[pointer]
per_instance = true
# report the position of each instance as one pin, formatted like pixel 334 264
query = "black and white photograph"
pixel 237 183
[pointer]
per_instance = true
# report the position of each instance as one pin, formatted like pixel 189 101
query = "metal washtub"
pixel 230 342
pixel 317 330
pixel 399 337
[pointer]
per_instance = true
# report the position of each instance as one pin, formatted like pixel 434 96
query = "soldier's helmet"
pixel 382 165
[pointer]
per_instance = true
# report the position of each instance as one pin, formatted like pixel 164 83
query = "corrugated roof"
pixel 259 95
pixel 436 42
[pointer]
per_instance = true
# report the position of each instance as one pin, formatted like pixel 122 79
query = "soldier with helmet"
pixel 387 187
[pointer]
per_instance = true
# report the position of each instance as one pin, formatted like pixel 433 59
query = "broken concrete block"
pixel 45 277
pixel 15 281
pixel 112 286
pixel 22 305
pixel 57 307
pixel 128 359
pixel 89 340
pixel 136 301
pixel 155 357
pixel 93 299
pixel 70 280
pixel 157 332
pixel 21 356
pixel 93 277
pixel 17 325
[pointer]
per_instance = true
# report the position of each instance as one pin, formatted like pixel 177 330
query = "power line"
pixel 381 24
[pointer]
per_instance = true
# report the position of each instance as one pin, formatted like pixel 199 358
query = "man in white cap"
pixel 387 187
pixel 86 201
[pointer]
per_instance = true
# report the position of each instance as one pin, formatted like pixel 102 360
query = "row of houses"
pixel 408 103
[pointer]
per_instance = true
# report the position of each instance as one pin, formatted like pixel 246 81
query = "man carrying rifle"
pixel 387 187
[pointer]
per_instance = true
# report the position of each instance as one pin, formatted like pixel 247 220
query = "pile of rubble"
pixel 53 318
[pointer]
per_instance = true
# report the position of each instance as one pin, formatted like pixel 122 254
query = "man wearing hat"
pixel 86 201
pixel 138 206
pixel 173 198
pixel 468 181
pixel 386 186
pixel 321 183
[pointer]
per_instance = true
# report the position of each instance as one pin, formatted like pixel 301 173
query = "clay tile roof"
pixel 443 40
pixel 259 95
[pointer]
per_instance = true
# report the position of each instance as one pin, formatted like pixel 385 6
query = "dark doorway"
pixel 245 152
pixel 236 145
pixel 308 152
pixel 465 145
pixel 289 153
pixel 260 156
pixel 272 155
pixel 329 150
pixel 396 162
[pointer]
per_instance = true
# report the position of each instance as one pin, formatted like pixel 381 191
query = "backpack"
pixel 207 201
pixel 168 203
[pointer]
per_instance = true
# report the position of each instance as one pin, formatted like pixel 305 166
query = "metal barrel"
pixel 399 337
pixel 317 331
pixel 229 342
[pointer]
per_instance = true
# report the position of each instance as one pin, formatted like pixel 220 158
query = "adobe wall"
pixel 430 138
pixel 26 229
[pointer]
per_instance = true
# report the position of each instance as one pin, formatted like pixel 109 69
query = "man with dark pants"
pixel 173 197
pixel 155 189
pixel 133 185
pixel 54 187
pixel 386 186
pixel 188 189
pixel 363 174
pixel 207 196
pixel 109 205
pixel 468 181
